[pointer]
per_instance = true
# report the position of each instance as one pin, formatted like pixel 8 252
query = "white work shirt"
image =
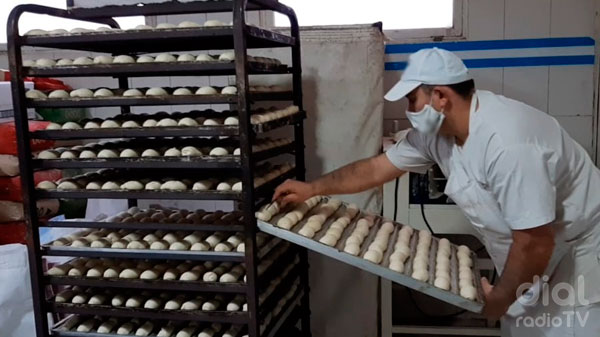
pixel 518 169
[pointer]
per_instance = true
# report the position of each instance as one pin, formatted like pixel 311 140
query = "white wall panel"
pixel 571 91
pixel 526 19
pixel 527 84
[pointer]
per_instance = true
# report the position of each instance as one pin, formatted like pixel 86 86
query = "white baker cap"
pixel 431 66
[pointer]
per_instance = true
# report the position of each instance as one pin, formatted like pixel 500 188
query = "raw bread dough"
pixel 106 153
pixel 214 23
pixel 35 94
pixel 110 123
pixel 469 293
pixel 179 245
pixel 103 92
pixel 211 122
pixel 129 273
pixel 204 58
pixel 145 329
pixel 166 122
pixel 227 56
pixel 58 94
pixel 165 26
pixel 91 125
pixel 123 59
pixel 206 91
pixel 128 153
pixel 150 274
pixel 186 58
pixel 150 153
pixel 190 151
pixel 229 90
pixel 218 151
pixel 48 154
pixel 103 59
pixel 421 275
pixel 173 185
pixel 67 185
pixel 172 152
pixel 231 121
pixel 182 92
pixel 188 24
pixel 145 59
pixel 83 61
pixel 156 92
pixel 132 93
pixel 165 57
pixel 44 62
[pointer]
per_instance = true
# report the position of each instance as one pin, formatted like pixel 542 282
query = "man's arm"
pixel 528 257
pixel 352 178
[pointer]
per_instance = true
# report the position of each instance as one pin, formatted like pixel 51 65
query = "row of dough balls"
pixel 290 219
pixel 148 123
pixel 420 266
pixel 319 216
pixel 150 92
pixel 234 184
pixel 146 300
pixel 126 59
pixel 89 152
pixel 136 327
pixel 104 29
pixel 466 280
pixel 167 215
pixel 357 237
pixel 157 240
pixel 225 272
pixel 379 245
pixel 270 115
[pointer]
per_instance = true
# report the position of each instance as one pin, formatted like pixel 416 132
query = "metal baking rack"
pixel 240 37
pixel 337 252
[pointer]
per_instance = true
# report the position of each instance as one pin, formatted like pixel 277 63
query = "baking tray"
pixel 336 252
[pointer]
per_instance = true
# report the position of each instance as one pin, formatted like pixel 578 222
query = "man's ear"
pixel 442 93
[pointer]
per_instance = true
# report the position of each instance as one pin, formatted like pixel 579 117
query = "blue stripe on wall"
pixel 514 62
pixel 492 44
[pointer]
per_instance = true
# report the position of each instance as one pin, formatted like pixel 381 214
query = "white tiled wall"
pixel 566 92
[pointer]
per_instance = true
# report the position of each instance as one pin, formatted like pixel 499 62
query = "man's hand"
pixel 495 306
pixel 293 191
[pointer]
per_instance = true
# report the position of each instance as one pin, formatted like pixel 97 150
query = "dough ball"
pixel 188 24
pixel 374 256
pixel 172 152
pixel 285 223
pixel 103 92
pixel 397 266
pixel 130 124
pixel 71 126
pixel 128 153
pixel 442 283
pixel 103 59
pixel 106 153
pixel 58 94
pixel 352 248
pixel 166 122
pixel 165 57
pixel 58 32
pixel 204 58
pixel 231 121
pixel 218 151
pixel 420 274
pixel 44 62
pixel 132 185
pixel 130 273
pixel 145 59
pixel 156 92
pixel 150 153
pixel 182 92
pixel 79 30
pixel 224 186
pixel 227 56
pixel 35 94
pixel 159 245
pixel 203 185
pixel 190 151
pixel 48 154
pixel 153 185
pixel 173 185
pixel 237 186
pixel 387 227
pixel 237 152
pixel 229 90
pixel 36 32
pixel 149 274
pixel 179 245
pixel 469 293
pixel 207 90
pixel 329 240
pixel 132 93
pixel 307 231
pixel 67 185
pixel 83 61
pixel 211 122
pixel 93 185
pixel 165 26
pixel 46 185
pixel 91 125
pixel 123 59
pixel 467 262
pixel 442 265
pixel 110 123
pixel 100 243
pixel 110 185
pixel 214 23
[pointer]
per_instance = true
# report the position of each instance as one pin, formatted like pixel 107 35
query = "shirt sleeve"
pixel 522 179
pixel 411 153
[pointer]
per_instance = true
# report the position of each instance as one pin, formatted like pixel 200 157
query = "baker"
pixel 527 187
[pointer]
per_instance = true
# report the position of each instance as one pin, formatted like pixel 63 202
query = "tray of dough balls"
pixel 161 150
pixel 171 271
pixel 393 251
pixel 127 182
pixel 145 63
pixel 263 119
pixel 152 96
pixel 97 326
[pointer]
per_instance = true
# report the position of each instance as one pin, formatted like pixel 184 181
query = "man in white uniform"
pixel 530 191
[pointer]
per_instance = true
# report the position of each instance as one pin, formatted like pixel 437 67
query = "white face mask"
pixel 428 120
